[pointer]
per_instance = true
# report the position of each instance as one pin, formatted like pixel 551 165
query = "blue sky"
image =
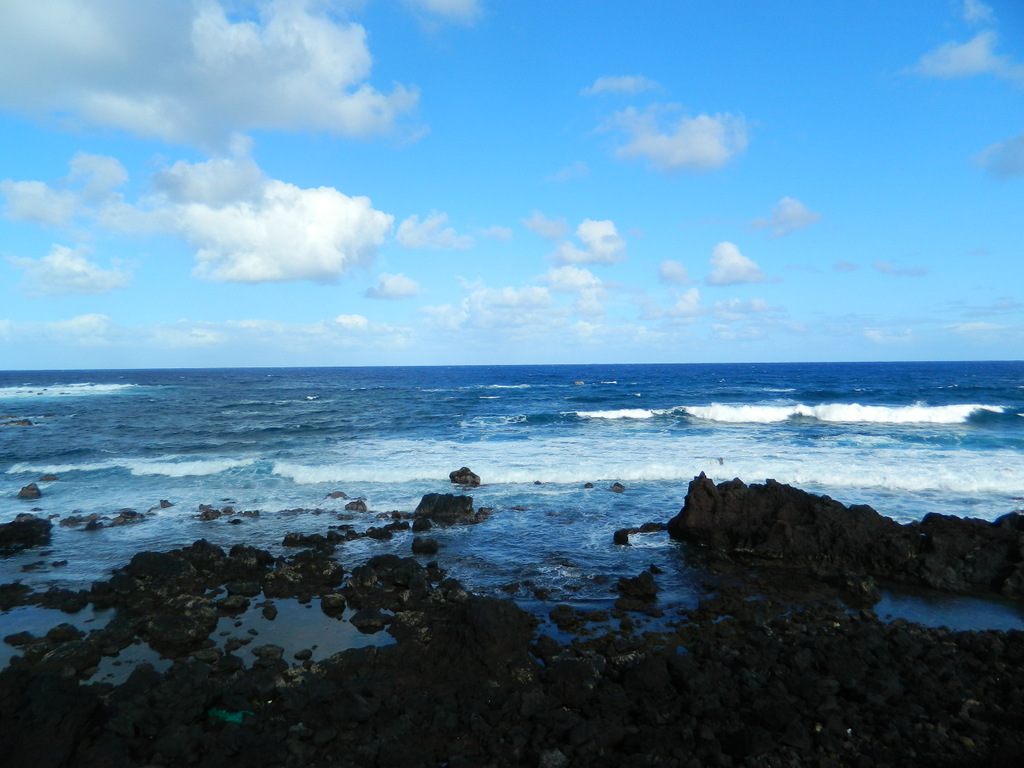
pixel 405 182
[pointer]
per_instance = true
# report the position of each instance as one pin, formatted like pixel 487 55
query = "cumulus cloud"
pixel 39 203
pixel 550 229
pixel 730 267
pixel 888 268
pixel 393 287
pixel 243 226
pixel 570 279
pixel 1005 159
pixel 975 57
pixel 701 143
pixel 90 182
pixel 788 215
pixel 188 73
pixel 673 273
pixel 602 245
pixel 627 84
pixel 286 233
pixel 66 272
pixel 686 306
pixel 431 233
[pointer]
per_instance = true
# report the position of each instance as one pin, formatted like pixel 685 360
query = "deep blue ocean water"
pixel 906 438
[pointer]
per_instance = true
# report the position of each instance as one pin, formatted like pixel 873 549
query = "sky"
pixel 453 182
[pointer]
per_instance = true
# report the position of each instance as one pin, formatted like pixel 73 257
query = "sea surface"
pixel 906 438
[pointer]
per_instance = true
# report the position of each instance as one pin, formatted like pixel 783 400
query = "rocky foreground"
pixel 772 669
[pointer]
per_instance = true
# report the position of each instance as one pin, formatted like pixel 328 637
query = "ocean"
pixel 906 438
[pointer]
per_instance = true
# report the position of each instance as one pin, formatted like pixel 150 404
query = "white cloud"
pixel 245 227
pixel 67 272
pixel 976 12
pixel 352 322
pixel 216 182
pixel 38 202
pixel 730 267
pixel 628 84
pixel 888 268
pixel 845 266
pixel 673 273
pixel 187 73
pixel 788 215
pixel 288 233
pixel 602 245
pixel 263 339
pixel 736 309
pixel 507 307
pixel 496 232
pixel 457 11
pixel 1004 159
pixel 431 233
pixel 700 143
pixel 978 327
pixel 393 287
pixel 91 181
pixel 975 57
pixel 895 337
pixel 570 279
pixel 551 229
pixel 687 305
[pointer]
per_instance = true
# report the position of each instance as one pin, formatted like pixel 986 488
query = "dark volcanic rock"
pixel 26 531
pixel 446 509
pixel 30 491
pixel 464 476
pixel 781 523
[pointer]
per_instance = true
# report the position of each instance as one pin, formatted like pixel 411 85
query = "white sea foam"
pixel 83 389
pixel 167 466
pixel 622 413
pixel 841 412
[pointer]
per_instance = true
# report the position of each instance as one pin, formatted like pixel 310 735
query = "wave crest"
pixel 842 412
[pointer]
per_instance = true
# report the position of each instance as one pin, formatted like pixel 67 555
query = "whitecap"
pixel 841 412
pixel 622 413
pixel 83 389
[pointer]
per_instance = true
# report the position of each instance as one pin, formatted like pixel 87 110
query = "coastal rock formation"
pixel 776 522
pixel 469 682
pixel 30 491
pixel 26 531
pixel 464 476
pixel 447 509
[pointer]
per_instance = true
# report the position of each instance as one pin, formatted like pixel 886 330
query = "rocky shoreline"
pixel 784 663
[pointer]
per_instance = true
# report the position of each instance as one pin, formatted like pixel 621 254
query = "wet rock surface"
pixel 776 522
pixel 23 532
pixel 773 668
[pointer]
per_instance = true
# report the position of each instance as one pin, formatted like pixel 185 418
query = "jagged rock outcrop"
pixel 776 522
pixel 447 509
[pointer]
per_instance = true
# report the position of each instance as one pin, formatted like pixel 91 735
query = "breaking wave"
pixel 842 412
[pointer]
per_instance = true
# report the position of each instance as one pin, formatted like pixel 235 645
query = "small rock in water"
pixel 464 476
pixel 30 491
